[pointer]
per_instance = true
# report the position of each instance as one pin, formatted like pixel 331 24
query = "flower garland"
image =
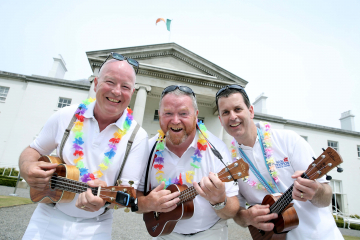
pixel 77 129
pixel 197 157
pixel 270 161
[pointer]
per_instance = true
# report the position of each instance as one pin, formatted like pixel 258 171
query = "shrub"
pixel 8 181
pixel 14 172
pixel 340 224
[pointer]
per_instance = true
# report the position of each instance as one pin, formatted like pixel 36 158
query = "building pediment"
pixel 171 61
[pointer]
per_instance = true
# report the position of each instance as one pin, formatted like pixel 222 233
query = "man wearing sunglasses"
pixel 181 155
pixel 277 158
pixel 96 146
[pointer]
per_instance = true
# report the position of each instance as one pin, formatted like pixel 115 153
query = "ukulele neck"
pixel 285 199
pixel 70 185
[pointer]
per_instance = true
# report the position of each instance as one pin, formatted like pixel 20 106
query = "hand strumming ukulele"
pixel 64 184
pixel 280 204
pixel 160 224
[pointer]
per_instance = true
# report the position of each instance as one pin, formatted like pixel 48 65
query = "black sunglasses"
pixel 120 57
pixel 171 88
pixel 236 87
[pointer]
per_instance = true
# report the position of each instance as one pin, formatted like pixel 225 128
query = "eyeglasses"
pixel 120 57
pixel 236 87
pixel 171 88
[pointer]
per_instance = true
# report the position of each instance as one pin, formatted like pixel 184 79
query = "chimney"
pixel 58 69
pixel 347 121
pixel 260 104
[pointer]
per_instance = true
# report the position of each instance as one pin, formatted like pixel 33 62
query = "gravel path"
pixel 14 220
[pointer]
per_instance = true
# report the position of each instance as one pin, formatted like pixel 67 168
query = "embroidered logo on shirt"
pixel 282 163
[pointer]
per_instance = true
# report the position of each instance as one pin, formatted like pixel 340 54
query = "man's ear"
pixel 251 110
pixel 95 83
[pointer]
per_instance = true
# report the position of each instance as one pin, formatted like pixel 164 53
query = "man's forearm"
pixel 322 198
pixel 230 209
pixel 141 203
pixel 240 217
pixel 28 155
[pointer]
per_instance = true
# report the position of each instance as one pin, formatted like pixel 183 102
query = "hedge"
pixel 8 181
pixel 340 224
pixel 14 172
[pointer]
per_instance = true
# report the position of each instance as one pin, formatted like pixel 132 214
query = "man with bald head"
pixel 106 126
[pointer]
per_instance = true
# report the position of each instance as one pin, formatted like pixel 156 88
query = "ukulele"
pixel 280 203
pixel 160 224
pixel 64 184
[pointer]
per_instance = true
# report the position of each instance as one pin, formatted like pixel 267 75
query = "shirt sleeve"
pixel 137 159
pixel 45 142
pixel 150 143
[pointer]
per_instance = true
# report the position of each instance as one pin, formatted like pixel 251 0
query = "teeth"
pixel 235 125
pixel 113 100
pixel 176 129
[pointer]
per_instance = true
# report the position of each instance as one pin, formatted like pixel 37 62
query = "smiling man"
pixel 96 146
pixel 181 155
pixel 278 157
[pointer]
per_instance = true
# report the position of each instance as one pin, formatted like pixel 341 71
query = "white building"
pixel 26 102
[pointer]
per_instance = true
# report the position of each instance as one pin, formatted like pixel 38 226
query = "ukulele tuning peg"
pixel 126 210
pixel 339 169
pixel 328 177
pixel 131 183
pixel 116 207
pixel 119 182
pixel 323 149
pixel 314 158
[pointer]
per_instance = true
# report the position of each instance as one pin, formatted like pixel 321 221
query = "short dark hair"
pixel 227 92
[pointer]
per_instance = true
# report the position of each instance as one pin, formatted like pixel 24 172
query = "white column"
pixel 92 93
pixel 140 102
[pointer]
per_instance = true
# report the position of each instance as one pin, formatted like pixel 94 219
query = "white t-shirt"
pixel 292 153
pixel 204 215
pixel 94 147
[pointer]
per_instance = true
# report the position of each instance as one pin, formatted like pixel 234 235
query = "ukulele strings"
pixel 74 186
pixel 287 196
pixel 190 192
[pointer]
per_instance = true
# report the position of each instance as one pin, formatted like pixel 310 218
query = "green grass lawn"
pixel 351 238
pixel 8 201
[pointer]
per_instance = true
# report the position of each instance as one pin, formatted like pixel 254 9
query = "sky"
pixel 303 55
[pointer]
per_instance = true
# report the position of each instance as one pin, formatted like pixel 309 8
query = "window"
pixel 201 119
pixel 305 137
pixel 358 150
pixel 3 93
pixel 156 115
pixel 333 144
pixel 63 102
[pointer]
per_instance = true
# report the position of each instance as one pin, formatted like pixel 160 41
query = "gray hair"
pixel 178 92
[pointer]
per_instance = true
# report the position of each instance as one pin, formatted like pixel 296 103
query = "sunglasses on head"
pixel 236 87
pixel 171 88
pixel 120 57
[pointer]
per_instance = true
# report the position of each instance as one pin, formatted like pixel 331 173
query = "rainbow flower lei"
pixel 197 157
pixel 270 161
pixel 78 141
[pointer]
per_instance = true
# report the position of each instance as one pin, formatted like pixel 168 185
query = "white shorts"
pixel 47 222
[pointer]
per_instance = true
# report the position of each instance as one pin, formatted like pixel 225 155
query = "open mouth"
pixel 113 100
pixel 176 129
pixel 235 124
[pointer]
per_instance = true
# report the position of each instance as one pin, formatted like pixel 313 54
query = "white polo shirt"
pixel 291 153
pixel 204 215
pixel 94 147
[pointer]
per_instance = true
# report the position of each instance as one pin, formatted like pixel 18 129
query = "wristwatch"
pixel 219 206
